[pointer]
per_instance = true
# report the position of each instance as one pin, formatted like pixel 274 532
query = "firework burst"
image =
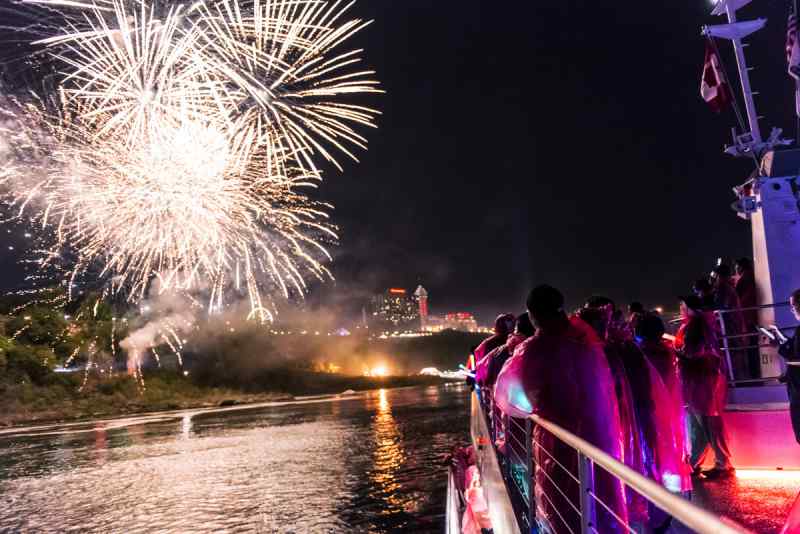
pixel 180 142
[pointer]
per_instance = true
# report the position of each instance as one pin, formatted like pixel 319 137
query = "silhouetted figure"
pixel 561 374
pixel 704 387
pixel 494 361
pixel 790 351
pixel 746 291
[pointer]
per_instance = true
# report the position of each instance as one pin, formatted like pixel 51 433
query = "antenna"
pixel 748 144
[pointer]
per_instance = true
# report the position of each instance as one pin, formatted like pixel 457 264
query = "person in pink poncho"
pixel 653 444
pixel 562 375
pixel 660 353
pixel 704 387
pixel 491 364
pixel 503 326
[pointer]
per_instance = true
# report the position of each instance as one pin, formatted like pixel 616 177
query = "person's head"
pixel 524 326
pixel 504 324
pixel 545 303
pixel 702 287
pixel 744 266
pixel 599 301
pixel 596 318
pixel 635 307
pixel 794 300
pixel 722 271
pixel 650 327
pixel 691 305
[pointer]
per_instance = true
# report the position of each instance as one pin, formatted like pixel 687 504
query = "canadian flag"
pixel 714 87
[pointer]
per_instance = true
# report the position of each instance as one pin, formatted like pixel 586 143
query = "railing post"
pixel 531 476
pixel 586 478
pixel 725 346
pixel 506 463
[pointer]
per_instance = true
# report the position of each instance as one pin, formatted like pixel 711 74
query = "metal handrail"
pixel 684 511
pixel 754 308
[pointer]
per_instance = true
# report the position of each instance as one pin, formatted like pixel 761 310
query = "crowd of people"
pixel 617 381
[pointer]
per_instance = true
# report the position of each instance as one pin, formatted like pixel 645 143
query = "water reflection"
pixel 388 455
pixel 186 426
pixel 360 464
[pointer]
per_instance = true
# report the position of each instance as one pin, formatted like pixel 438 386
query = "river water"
pixel 365 463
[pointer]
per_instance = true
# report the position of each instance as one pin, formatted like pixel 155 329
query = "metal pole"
pixel 529 466
pixel 725 345
pixel 796 84
pixel 586 478
pixel 744 76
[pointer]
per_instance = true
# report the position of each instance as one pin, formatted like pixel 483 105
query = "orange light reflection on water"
pixel 388 456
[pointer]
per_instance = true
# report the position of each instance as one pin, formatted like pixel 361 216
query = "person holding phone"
pixel 789 349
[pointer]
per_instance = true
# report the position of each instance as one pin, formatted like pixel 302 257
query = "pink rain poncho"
pixel 490 365
pixel 659 432
pixel 476 515
pixel 562 375
pixel 502 328
pixel 664 360
pixel 704 385
pixel 633 442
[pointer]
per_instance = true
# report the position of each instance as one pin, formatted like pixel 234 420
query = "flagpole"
pixel 734 103
pixel 744 78
pixel 796 85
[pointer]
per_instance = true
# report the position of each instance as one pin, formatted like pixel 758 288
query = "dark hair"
pixel 525 326
pixel 650 327
pixel 635 307
pixel 598 301
pixel 504 324
pixel 796 295
pixel 700 335
pixel 595 318
pixel 701 285
pixel 693 302
pixel 545 301
pixel 723 270
pixel 745 264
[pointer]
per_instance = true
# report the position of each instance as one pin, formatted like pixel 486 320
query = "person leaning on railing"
pixel 704 387
pixel 789 349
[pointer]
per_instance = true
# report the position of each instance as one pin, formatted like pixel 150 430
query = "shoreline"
pixel 80 408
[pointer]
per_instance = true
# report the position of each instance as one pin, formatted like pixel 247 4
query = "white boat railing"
pixel 734 342
pixel 518 452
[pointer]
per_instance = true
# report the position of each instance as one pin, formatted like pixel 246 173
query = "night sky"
pixel 562 142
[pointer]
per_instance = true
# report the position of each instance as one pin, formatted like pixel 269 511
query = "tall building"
pixel 463 322
pixel 395 309
pixel 422 302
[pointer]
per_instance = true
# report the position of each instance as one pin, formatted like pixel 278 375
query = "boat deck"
pixel 757 500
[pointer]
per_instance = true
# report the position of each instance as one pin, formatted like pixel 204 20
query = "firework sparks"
pixel 181 143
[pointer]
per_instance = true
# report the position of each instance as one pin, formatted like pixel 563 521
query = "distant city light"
pixel 377 371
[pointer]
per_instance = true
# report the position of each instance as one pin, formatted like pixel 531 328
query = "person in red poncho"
pixel 562 375
pixel 704 387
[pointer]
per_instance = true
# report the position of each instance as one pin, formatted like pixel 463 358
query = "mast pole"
pixel 796 83
pixel 744 76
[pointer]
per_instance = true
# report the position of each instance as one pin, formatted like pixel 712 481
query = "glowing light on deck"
pixel 768 474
